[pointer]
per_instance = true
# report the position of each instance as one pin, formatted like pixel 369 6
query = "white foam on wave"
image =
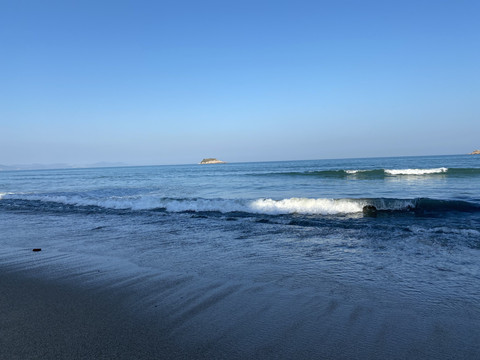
pixel 138 203
pixel 416 171
pixel 257 206
pixel 318 206
pixel 354 171
pixel 146 202
pixel 2 195
pixel 306 206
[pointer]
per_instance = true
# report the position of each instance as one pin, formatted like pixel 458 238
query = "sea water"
pixel 297 228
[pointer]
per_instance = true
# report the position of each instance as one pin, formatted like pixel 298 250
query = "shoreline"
pixel 51 310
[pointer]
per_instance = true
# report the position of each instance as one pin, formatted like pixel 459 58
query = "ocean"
pixel 344 258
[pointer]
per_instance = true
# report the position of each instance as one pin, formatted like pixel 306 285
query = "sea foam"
pixel 307 206
pixel 416 171
pixel 355 171
pixel 313 206
pixel 372 173
pixel 256 206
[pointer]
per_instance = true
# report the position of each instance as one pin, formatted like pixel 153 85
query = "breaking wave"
pixel 306 206
pixel 416 171
pixel 380 173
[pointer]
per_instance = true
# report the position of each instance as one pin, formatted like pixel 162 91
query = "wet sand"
pixel 50 311
pixel 44 320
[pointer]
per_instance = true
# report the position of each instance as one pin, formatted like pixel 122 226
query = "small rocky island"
pixel 211 161
pixel 475 152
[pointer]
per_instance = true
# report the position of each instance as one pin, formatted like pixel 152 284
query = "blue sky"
pixel 161 82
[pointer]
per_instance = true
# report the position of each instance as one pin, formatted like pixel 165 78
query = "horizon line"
pixel 116 164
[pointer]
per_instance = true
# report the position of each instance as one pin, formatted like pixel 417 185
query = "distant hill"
pixel 106 164
pixel 33 167
pixel 58 166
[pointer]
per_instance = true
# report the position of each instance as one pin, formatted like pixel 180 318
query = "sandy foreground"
pixel 45 320
pixel 59 306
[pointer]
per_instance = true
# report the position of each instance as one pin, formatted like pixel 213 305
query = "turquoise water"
pixel 298 225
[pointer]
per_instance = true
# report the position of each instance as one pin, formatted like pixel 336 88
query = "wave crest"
pixel 378 173
pixel 416 171
pixel 306 206
pixel 330 173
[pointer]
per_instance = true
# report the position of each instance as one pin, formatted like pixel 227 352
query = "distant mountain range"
pixel 58 166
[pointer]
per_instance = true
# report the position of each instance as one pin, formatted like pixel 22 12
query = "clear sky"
pixel 160 82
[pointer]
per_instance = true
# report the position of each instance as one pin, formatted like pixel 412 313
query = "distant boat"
pixel 475 152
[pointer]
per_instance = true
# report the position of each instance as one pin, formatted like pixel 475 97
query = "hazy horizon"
pixel 100 164
pixel 172 82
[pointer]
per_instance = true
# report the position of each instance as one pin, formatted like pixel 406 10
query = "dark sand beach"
pixel 44 320
pixel 93 309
